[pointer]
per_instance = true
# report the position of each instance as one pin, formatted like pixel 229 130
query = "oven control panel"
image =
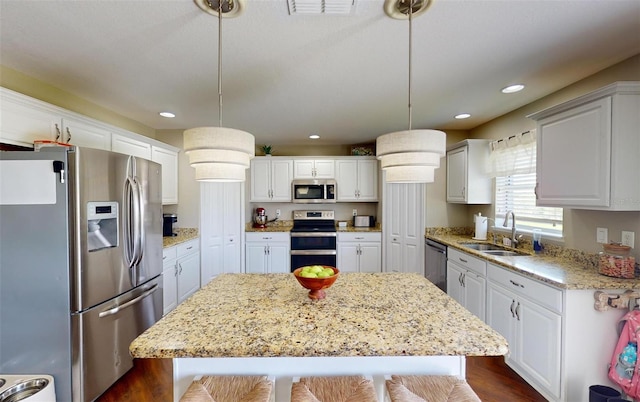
pixel 313 215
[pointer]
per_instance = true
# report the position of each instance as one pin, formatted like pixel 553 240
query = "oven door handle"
pixel 313 252
pixel 313 234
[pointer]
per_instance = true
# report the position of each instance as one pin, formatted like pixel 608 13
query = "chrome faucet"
pixel 514 241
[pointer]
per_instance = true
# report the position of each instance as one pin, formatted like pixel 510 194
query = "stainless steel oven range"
pixel 313 239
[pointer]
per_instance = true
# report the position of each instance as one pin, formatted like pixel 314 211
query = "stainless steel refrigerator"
pixel 80 264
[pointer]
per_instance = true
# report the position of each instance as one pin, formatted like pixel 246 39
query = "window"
pixel 513 163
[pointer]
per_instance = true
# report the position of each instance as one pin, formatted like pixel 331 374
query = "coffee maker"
pixel 260 218
pixel 168 221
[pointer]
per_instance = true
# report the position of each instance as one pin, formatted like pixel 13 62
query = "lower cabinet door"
pixel 539 343
pixel 256 258
pixel 188 275
pixel 169 287
pixel 279 258
pixel 348 257
pixel 474 289
pixel 454 284
pixel 370 257
pixel 501 306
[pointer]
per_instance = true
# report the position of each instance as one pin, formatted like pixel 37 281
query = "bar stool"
pixel 229 389
pixel 333 389
pixel 432 388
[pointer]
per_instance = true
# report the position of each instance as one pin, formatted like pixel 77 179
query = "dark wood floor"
pixel 150 381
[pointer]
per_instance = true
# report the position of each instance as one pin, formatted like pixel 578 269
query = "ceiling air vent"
pixel 321 6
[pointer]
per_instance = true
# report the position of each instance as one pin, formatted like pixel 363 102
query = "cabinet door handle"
pixel 464 277
pixel 460 279
pixel 68 135
pixel 359 238
pixel 164 257
pixel 58 134
pixel 268 250
pixel 189 248
pixel 180 270
pixel 463 260
pixel 513 313
pixel 518 311
pixel 514 283
pixel 535 190
pixel 175 271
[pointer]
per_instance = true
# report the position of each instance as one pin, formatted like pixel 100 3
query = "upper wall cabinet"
pixel 25 120
pixel 587 151
pixel 314 169
pixel 271 179
pixel 467 178
pixel 357 179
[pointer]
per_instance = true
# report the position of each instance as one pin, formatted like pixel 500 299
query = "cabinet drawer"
pixel 359 236
pixel 538 292
pixel 465 260
pixel 169 253
pixel 269 237
pixel 188 247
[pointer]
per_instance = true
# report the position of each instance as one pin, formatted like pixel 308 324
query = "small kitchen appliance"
pixel 260 218
pixel 168 223
pixel 364 221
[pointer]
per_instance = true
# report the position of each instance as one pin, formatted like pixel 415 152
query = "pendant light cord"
pixel 410 36
pixel 220 61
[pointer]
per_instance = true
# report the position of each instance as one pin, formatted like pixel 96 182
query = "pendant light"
pixel 219 153
pixel 410 156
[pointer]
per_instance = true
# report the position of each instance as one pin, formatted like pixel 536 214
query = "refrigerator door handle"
pixel 140 222
pixel 126 223
pixel 131 302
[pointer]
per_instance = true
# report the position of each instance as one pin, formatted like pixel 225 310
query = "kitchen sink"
pixel 493 249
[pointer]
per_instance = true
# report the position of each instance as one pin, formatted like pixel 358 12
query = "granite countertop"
pixel 364 314
pixel 567 269
pixel 183 234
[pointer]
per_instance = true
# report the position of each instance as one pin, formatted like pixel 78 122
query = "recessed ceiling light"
pixel 314 136
pixel 512 88
pixel 168 115
pixel 462 116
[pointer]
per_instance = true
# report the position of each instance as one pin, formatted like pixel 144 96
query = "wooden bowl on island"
pixel 316 286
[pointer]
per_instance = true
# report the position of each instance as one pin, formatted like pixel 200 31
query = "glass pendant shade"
pixel 219 153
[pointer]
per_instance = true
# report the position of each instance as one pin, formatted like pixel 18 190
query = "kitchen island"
pixel 370 324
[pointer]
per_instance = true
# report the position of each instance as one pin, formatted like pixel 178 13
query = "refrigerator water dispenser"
pixel 102 225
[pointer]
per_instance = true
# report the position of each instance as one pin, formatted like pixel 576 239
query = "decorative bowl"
pixel 316 286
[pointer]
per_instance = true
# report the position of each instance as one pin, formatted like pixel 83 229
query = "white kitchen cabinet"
pixel 403 227
pixel 468 181
pixel 466 281
pixel 267 253
pixel 357 179
pixel 271 179
pixel 529 315
pixel 25 120
pixel 359 252
pixel 168 158
pixel 125 144
pixel 181 273
pixel 587 151
pixel 169 279
pixel 314 169
pixel 221 229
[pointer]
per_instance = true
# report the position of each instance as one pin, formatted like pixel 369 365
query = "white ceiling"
pixel 288 76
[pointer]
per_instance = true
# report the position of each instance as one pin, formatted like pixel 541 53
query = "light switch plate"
pixel 602 235
pixel 628 238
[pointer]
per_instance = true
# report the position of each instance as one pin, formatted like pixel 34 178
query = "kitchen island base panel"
pixel 283 369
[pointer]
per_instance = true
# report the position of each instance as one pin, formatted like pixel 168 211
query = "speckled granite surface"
pixel 183 234
pixel 563 268
pixel 364 314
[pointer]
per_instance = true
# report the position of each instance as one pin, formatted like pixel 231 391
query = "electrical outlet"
pixel 602 235
pixel 355 212
pixel 277 213
pixel 628 238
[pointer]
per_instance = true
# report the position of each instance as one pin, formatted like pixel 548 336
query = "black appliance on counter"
pixel 313 239
pixel 168 222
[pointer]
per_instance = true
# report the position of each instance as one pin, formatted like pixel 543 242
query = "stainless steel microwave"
pixel 314 191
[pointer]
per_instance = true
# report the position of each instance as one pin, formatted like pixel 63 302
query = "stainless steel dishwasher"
pixel 435 256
